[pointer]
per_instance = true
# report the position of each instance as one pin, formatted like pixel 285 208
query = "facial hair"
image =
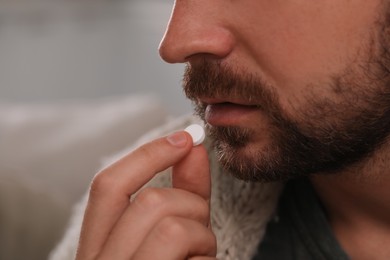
pixel 324 135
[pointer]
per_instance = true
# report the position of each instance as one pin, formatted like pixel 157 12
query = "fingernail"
pixel 177 139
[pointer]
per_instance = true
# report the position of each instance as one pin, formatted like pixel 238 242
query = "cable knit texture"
pixel 239 210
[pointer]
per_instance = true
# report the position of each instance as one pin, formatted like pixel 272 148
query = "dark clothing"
pixel 300 230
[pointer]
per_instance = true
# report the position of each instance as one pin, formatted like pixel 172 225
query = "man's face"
pixel 288 87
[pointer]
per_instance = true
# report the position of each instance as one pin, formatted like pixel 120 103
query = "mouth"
pixel 227 113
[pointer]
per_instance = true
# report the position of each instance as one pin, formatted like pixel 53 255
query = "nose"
pixel 195 28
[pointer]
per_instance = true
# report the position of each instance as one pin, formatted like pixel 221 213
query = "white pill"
pixel 197 133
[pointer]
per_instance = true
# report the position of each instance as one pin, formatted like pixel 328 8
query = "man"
pixel 291 91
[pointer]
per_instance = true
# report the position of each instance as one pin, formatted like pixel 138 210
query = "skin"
pixel 296 46
pixel 114 228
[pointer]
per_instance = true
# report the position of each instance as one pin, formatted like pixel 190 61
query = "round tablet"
pixel 197 133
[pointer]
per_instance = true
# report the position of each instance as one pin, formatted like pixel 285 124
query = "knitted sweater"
pixel 239 210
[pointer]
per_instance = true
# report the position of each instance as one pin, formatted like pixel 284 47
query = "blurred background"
pixel 61 49
pixel 80 81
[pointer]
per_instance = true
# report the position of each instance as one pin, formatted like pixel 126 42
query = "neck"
pixel 357 202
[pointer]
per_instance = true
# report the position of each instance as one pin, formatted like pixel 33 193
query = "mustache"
pixel 211 79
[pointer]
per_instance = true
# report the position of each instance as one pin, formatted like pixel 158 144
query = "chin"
pixel 253 162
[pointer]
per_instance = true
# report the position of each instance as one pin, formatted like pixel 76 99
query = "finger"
pixel 147 209
pixel 177 238
pixel 112 188
pixel 193 173
pixel 202 258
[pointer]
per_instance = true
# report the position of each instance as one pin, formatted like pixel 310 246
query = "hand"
pixel 159 223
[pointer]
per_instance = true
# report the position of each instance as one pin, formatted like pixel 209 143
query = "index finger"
pixel 111 188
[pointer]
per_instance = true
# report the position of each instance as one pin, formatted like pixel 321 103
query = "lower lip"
pixel 228 114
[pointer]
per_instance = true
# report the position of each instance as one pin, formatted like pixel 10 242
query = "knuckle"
pixel 199 210
pixel 171 228
pixel 212 242
pixel 101 183
pixel 203 209
pixel 147 151
pixel 150 198
pixel 210 247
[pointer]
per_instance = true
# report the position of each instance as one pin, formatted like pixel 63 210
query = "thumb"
pixel 192 173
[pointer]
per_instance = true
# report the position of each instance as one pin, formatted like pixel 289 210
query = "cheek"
pixel 296 44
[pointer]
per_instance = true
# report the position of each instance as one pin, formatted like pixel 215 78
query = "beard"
pixel 322 134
